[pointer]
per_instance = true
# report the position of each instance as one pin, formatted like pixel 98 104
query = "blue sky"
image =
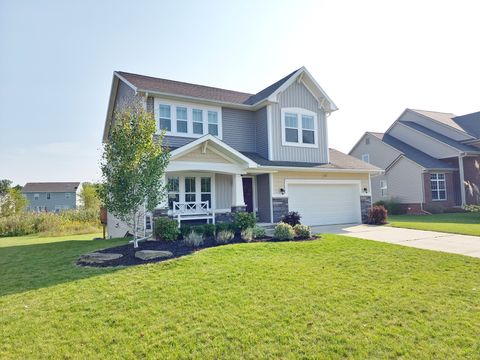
pixel 374 58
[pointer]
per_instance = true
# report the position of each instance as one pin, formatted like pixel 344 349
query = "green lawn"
pixel 458 223
pixel 337 297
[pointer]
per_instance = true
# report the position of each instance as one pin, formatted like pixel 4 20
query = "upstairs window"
pixel 299 127
pixel 197 115
pixel 36 196
pixel 48 196
pixel 366 158
pixel 182 122
pixel 367 141
pixel 383 187
pixel 213 123
pixel 165 122
pixel 67 195
pixel 438 186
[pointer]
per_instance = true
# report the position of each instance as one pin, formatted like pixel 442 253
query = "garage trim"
pixel 323 182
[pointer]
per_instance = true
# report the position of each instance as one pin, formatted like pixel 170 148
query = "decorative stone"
pixel 280 208
pixel 153 254
pixel 98 258
pixel 365 204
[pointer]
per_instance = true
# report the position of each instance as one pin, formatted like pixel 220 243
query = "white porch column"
pixel 462 180
pixel 164 203
pixel 237 191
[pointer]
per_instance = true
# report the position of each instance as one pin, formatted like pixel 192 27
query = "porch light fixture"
pixel 282 191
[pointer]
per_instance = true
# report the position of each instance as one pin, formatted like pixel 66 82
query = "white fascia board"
pixel 126 81
pixel 308 169
pixel 191 166
pixel 186 148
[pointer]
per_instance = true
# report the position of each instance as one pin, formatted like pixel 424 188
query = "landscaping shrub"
pixel 392 206
pixel 193 239
pixel 472 208
pixel 434 209
pixel 303 231
pixel 166 229
pixel 185 229
pixel 209 230
pixel 292 218
pixel 224 236
pixel 223 226
pixel 247 235
pixel 243 220
pixel 377 215
pixel 258 232
pixel 283 231
pixel 67 222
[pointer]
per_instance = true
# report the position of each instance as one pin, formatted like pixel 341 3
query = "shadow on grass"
pixel 34 266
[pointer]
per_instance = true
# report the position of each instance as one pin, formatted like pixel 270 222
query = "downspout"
pixel 462 179
pixel 423 190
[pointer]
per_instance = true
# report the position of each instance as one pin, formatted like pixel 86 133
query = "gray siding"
pixel 223 191
pixel 263 198
pixel 239 129
pixel 56 199
pixel 297 95
pixel 261 132
pixel 380 154
pixel 125 96
pixel 405 182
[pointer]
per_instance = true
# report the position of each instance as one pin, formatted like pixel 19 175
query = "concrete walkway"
pixel 431 240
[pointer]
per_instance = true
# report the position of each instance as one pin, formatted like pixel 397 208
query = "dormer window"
pixel 299 127
pixel 187 120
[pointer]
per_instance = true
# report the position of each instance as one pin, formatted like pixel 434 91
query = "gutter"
pixel 315 169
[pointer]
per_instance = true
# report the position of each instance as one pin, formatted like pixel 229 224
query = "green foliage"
pixel 207 230
pixel 89 196
pixel 292 218
pixel 392 206
pixel 166 229
pixel 377 215
pixel 283 231
pixel 247 235
pixel 13 202
pixel 472 208
pixel 258 232
pixel 224 236
pixel 243 220
pixel 193 239
pixel 63 223
pixel 185 229
pixel 303 231
pixel 223 226
pixel 460 223
pixel 133 164
pixel 5 185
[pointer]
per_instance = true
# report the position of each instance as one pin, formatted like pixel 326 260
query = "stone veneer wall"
pixel 365 204
pixel 280 208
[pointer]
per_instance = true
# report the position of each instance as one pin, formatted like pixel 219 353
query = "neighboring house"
pixel 265 153
pixel 431 159
pixel 52 196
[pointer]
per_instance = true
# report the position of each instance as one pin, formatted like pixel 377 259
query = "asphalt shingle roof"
pixel 470 123
pixel 149 83
pixel 413 154
pixel 51 187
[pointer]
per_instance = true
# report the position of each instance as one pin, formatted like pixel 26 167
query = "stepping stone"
pixel 153 254
pixel 98 258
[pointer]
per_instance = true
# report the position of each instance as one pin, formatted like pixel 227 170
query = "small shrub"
pixel 209 230
pixel 283 231
pixel 185 229
pixel 472 208
pixel 303 231
pixel 244 220
pixel 258 232
pixel 292 218
pixel 166 229
pixel 377 215
pixel 193 239
pixel 224 236
pixel 247 235
pixel 434 209
pixel 223 226
pixel 392 206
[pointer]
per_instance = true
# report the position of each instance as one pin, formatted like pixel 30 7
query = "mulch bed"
pixel 178 248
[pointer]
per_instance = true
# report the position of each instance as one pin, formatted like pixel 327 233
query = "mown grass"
pixel 457 223
pixel 337 297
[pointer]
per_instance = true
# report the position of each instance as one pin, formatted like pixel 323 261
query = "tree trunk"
pixel 135 242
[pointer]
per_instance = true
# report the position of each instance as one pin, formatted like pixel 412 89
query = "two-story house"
pixel 431 160
pixel 52 196
pixel 265 153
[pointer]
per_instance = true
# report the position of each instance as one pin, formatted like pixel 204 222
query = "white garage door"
pixel 325 204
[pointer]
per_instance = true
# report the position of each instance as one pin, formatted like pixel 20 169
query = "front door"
pixel 248 193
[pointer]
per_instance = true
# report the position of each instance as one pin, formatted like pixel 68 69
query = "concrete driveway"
pixel 431 240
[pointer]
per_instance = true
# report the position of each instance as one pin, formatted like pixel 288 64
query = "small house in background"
pixel 52 196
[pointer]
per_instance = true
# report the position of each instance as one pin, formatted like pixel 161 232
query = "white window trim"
pixel 383 188
pixel 300 112
pixel 198 188
pixel 444 180
pixel 366 158
pixel 36 196
pixel 190 106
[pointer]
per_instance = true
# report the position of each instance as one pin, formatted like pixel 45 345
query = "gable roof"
pixel 51 187
pixel 445 139
pixel 444 118
pixel 413 154
pixel 142 83
pixel 470 123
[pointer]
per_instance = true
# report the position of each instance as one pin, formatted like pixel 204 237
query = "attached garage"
pixel 325 202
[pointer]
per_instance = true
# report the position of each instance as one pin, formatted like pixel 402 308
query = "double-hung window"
pixel 299 127
pixel 190 189
pixel 213 123
pixel 36 196
pixel 206 190
pixel 197 116
pixel 165 122
pixel 438 186
pixel 182 120
pixel 383 187
pixel 67 195
pixel 366 158
pixel 173 188
pixel 48 196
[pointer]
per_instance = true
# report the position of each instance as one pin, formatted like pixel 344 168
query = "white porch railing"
pixel 193 211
